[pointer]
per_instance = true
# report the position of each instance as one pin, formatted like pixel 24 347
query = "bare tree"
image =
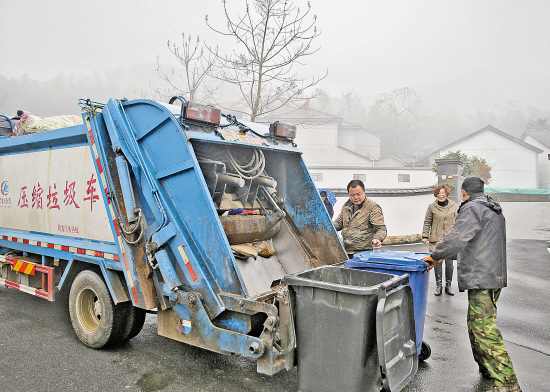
pixel 351 102
pixel 274 36
pixel 197 65
pixel 512 119
pixel 404 108
pixel 540 124
pixel 323 102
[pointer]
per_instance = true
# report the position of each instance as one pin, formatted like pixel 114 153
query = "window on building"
pixel 549 157
pixel 317 176
pixel 362 177
pixel 404 178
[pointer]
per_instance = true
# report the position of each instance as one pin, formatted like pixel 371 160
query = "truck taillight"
pixel 282 130
pixel 203 113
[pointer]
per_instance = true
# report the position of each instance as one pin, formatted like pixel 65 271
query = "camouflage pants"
pixel 485 337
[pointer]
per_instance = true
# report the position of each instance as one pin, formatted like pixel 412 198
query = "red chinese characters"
pixel 52 198
pixel 37 197
pixel 70 194
pixel 23 202
pixel 91 191
pixel 67 229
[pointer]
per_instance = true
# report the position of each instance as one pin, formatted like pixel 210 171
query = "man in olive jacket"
pixel 479 239
pixel 361 221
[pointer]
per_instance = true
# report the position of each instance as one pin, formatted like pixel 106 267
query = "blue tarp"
pixel 520 191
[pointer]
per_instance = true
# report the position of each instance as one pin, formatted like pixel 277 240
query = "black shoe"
pixel 448 288
pixel 438 288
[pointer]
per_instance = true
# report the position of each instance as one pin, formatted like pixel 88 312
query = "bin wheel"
pixel 97 321
pixel 425 351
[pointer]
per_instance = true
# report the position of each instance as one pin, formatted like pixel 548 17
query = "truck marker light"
pixel 278 129
pixel 203 113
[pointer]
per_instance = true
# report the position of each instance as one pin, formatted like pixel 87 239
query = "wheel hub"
pixel 88 310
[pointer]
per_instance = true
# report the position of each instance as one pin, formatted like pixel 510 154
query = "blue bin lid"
pixel 390 258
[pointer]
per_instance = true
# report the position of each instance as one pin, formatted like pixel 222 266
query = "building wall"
pixel 360 141
pixel 543 162
pixel 338 178
pixel 513 165
pixel 319 145
pixel 323 134
pixel 332 156
pixel 403 215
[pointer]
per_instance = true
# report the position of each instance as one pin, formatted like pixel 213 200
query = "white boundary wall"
pixel 403 215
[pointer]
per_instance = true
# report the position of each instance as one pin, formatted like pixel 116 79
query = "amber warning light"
pixel 203 113
pixel 282 130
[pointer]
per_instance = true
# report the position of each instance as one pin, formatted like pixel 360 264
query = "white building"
pixel 540 139
pixel 325 139
pixel 336 152
pixel 513 162
pixel 337 177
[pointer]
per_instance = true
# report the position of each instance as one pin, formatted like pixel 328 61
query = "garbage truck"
pixel 179 210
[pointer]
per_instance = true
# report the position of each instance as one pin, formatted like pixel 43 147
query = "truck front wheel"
pixel 97 321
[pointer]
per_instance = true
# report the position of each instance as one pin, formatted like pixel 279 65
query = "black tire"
pixel 97 321
pixel 135 319
pixel 425 351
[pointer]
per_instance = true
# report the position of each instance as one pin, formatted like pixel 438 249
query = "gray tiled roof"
pixel 540 136
pixel 299 114
pixel 498 132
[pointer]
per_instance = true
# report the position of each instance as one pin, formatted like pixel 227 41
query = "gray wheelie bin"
pixel 355 330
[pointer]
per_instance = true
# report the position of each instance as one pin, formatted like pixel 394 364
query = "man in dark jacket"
pixel 327 203
pixel 479 239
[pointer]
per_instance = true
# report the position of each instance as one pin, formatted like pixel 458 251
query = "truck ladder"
pixel 22 270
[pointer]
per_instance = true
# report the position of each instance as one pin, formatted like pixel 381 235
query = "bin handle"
pixel 394 282
pixel 388 285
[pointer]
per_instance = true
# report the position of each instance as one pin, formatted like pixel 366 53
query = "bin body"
pixel 400 263
pixel 340 330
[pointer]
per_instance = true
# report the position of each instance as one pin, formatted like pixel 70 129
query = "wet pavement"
pixel 523 318
pixel 39 351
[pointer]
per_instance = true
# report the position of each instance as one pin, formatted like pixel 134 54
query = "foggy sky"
pixel 459 55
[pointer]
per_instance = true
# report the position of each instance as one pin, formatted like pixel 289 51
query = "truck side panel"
pixel 50 194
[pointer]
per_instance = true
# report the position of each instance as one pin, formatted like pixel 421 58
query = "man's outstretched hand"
pixel 431 261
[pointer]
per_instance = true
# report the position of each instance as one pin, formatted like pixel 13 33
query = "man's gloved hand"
pixel 431 261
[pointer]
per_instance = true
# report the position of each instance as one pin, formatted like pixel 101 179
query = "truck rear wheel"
pixel 97 321
pixel 134 322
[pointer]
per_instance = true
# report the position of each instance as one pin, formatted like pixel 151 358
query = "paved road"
pixel 523 314
pixel 40 353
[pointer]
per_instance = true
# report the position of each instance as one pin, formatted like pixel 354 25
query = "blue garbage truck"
pixel 169 208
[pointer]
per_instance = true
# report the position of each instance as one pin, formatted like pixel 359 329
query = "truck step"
pixel 21 275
